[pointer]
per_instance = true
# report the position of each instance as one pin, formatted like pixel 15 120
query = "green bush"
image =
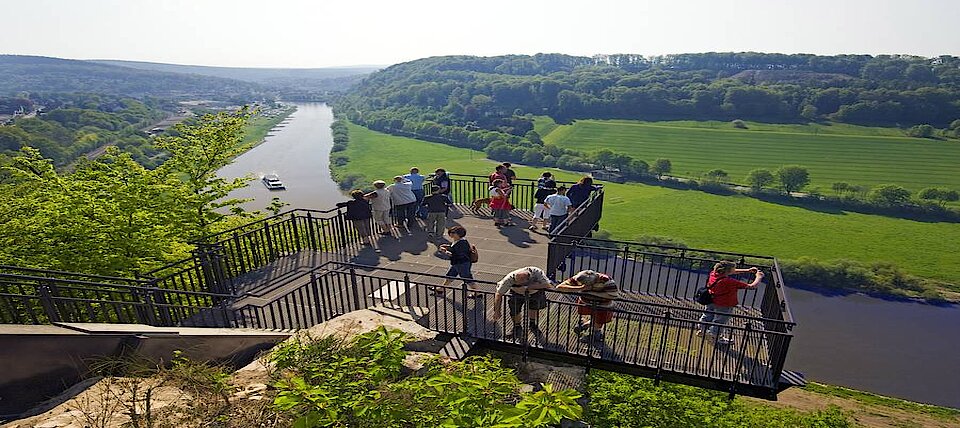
pixel 618 400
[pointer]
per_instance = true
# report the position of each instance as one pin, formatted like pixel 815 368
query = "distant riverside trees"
pixel 759 178
pixel 792 178
pixel 661 166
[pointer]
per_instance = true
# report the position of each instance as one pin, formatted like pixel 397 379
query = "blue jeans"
pixel 421 210
pixel 461 270
pixel 721 317
pixel 556 221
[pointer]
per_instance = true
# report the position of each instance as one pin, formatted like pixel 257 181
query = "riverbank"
pixel 258 126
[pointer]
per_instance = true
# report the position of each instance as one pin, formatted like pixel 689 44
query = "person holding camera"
pixel 724 291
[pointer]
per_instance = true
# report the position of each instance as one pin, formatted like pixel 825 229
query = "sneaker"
pixel 532 227
pixel 516 333
pixel 724 341
pixel 704 333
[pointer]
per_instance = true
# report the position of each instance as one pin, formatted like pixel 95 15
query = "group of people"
pixel 404 200
pixel 399 205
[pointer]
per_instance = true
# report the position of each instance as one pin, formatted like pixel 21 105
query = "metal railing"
pixel 580 223
pixel 40 298
pixel 642 334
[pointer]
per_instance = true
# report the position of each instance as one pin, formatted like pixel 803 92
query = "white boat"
pixel 272 181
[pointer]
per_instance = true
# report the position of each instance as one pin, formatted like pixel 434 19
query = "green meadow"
pixel 732 223
pixel 831 152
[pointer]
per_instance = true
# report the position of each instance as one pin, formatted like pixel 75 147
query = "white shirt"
pixel 402 193
pixel 558 204
pixel 537 276
pixel 382 201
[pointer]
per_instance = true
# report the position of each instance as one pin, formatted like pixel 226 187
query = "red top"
pixel 724 290
pixel 497 175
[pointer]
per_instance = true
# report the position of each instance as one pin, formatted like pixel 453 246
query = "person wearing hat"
pixel 380 199
pixel 596 295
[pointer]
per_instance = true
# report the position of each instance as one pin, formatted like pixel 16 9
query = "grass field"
pixel 838 152
pixel 732 223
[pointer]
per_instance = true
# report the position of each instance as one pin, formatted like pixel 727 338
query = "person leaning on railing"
pixel 580 192
pixel 724 291
pixel 529 280
pixel 359 214
pixel 596 295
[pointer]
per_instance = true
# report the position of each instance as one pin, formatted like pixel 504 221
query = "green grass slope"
pixel 854 154
pixel 732 223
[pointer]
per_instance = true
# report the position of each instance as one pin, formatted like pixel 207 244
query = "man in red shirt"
pixel 725 297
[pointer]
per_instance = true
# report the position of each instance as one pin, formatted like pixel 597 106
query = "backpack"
pixel 703 295
pixel 474 255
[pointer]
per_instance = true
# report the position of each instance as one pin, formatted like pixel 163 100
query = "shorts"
pixel 382 217
pixel 540 212
pixel 501 214
pixel 600 316
pixel 515 302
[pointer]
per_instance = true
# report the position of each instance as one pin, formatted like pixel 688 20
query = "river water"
pixel 902 349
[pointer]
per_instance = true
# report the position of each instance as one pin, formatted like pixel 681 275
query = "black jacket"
pixel 357 209
pixel 460 252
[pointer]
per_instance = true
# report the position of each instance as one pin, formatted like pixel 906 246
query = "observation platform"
pixel 303 267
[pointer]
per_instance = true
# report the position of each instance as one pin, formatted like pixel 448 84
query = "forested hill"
pixel 42 74
pixel 495 92
pixel 290 82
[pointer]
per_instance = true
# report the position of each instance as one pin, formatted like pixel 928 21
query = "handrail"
pixel 207 238
pixel 668 247
pixel 118 287
pixel 75 274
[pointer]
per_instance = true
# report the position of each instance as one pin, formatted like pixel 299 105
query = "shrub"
pixel 921 131
pixel 739 124
pixel 759 178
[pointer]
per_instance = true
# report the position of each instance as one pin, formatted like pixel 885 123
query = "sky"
pixel 324 33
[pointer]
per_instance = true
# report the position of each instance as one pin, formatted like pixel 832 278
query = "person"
pixel 559 207
pixel 580 192
pixel 497 174
pixel 416 182
pixel 460 264
pixel 724 290
pixel 508 173
pixel 437 205
pixel 359 214
pixel 546 186
pixel 380 199
pixel 597 293
pixel 529 280
pixel 404 201
pixel 500 203
pixel 442 180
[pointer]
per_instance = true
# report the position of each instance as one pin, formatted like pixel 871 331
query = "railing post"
pixel 407 291
pixel 310 233
pixel 158 300
pixel 473 188
pixel 49 307
pixel 271 256
pixel 525 325
pixel 149 308
pixel 356 292
pixel 667 316
pixel 242 257
pixel 296 234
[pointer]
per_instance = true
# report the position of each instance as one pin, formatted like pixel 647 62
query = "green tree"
pixel 840 188
pixel 759 178
pixel 939 194
pixel 716 175
pixel 661 166
pixel 808 112
pixel 792 178
pixel 889 195
pixel 921 131
pixel 197 152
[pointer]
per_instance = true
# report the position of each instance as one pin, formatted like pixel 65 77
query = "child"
pixel 545 187
pixel 500 203
pixel 460 264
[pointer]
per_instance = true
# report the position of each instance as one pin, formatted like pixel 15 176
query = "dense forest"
pixel 41 74
pixel 78 123
pixel 495 93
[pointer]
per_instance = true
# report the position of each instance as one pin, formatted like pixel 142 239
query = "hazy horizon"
pixel 304 34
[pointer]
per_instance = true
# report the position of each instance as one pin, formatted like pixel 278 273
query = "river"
pixel 902 349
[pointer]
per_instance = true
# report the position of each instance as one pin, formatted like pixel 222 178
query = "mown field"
pixel 733 223
pixel 853 154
